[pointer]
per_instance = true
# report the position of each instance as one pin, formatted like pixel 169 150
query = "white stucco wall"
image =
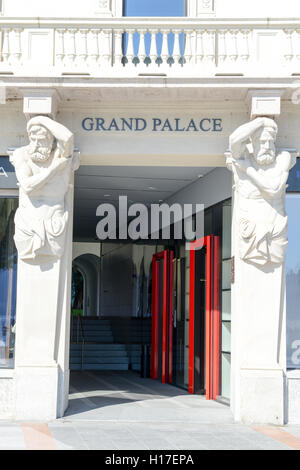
pixel 151 148
pixel 55 8
pixel 257 8
pixel 7 394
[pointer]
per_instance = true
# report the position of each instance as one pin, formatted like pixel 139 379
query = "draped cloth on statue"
pixel 43 236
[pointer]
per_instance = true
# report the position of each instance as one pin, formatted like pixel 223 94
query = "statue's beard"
pixel 265 157
pixel 41 155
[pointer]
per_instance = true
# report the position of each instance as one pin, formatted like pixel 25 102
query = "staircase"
pixel 98 351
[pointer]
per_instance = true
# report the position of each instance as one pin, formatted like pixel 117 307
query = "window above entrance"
pixel 154 8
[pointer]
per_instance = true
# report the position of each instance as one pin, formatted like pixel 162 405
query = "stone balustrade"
pixel 136 46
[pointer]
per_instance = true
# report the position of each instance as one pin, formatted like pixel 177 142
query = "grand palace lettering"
pixel 155 124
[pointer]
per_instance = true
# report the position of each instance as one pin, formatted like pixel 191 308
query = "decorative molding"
pixel 200 8
pixel 40 102
pixel 104 8
pixel 205 6
pixel 264 103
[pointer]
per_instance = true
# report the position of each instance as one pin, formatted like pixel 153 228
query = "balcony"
pixel 133 47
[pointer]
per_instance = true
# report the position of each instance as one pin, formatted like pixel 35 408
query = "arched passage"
pixel 88 266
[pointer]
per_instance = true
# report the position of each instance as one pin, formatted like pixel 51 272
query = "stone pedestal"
pixel 36 393
pixel 262 396
pixel 258 343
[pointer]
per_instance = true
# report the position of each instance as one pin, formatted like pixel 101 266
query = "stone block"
pixel 262 396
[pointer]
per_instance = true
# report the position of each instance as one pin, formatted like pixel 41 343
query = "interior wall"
pixel 117 270
pixel 214 187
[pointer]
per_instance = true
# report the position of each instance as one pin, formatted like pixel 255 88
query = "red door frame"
pixel 212 320
pixel 167 323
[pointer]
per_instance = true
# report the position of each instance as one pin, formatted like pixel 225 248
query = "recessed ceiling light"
pixel 151 187
pixel 107 195
pixel 200 176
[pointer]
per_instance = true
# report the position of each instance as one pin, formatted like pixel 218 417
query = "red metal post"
pixel 170 338
pixel 154 357
pixel 208 319
pixel 216 321
pixel 191 319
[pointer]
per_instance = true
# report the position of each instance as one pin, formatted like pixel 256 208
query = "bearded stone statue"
pixel 260 178
pixel 43 170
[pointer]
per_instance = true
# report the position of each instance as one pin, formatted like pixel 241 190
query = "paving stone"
pixel 143 414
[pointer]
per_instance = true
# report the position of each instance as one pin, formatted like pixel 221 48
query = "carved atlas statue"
pixel 260 178
pixel 43 170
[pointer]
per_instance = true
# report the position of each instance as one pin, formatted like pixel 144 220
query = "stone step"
pixel 92 328
pixel 95 338
pixel 99 353
pixel 99 360
pixel 106 346
pixel 100 367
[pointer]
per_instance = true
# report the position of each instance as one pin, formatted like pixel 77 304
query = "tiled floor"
pixel 121 411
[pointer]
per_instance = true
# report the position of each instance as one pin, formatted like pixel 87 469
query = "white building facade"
pixel 152 108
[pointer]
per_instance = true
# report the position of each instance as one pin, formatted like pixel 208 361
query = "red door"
pixel 162 324
pixel 204 332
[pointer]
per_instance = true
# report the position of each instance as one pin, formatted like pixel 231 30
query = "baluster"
pixel 60 49
pixel 289 45
pixel 188 46
pixel 176 49
pixel 153 48
pixel 297 44
pixel 222 50
pixel 165 47
pixel 118 40
pixel 107 47
pixel 94 46
pixel 232 45
pixel 82 46
pixel 199 46
pixel 142 47
pixel 194 46
pixel 210 47
pixel 130 47
pixel 5 46
pixel 71 45
pixel 244 48
pixel 17 47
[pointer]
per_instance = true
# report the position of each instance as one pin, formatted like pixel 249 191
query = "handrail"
pixel 83 339
pixel 173 46
pixel 151 21
pixel 82 342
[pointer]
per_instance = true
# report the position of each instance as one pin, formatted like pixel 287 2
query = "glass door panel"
pixel 204 331
pixel 180 323
pixel 162 319
pixel 226 300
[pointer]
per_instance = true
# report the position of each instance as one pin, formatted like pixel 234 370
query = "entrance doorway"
pixel 152 301
pixel 170 350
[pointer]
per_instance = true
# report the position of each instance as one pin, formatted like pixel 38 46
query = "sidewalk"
pixel 121 411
